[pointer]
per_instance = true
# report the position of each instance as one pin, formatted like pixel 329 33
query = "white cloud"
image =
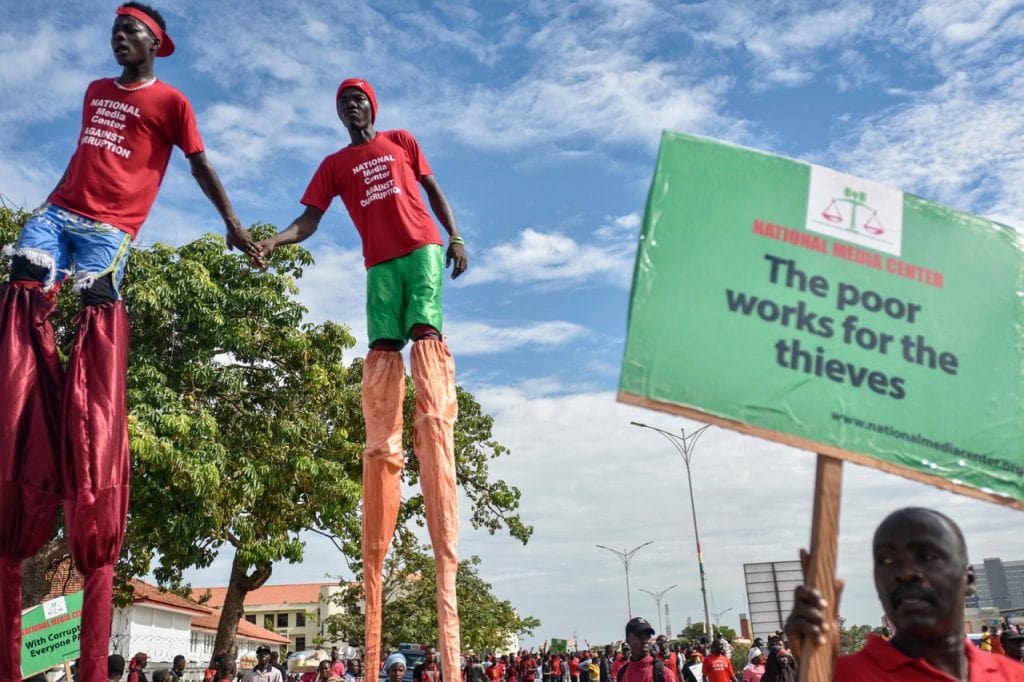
pixel 553 259
pixel 481 338
pixel 956 144
pixel 965 22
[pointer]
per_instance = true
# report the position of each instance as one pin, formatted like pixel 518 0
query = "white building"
pixel 296 612
pixel 164 625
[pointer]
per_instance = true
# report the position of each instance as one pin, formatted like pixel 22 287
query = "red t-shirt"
pixel 880 660
pixel 123 149
pixel 643 671
pixel 718 668
pixel 574 666
pixel 379 183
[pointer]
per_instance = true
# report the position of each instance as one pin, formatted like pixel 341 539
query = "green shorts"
pixel 403 292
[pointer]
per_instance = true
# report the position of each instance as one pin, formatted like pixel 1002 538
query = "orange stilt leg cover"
pixel 96 469
pixel 433 372
pixel 383 393
pixel 30 384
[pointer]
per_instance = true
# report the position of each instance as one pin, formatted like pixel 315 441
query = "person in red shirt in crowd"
pixel 574 668
pixel 664 652
pixel 620 660
pixel 378 177
pixel 641 664
pixel 997 646
pixel 65 430
pixel 921 576
pixel 527 667
pixel 717 666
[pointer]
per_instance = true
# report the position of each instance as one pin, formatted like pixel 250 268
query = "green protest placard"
pixel 559 645
pixel 830 312
pixel 49 633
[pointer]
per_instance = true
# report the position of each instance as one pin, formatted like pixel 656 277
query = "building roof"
pixel 151 594
pixel 64 579
pixel 301 593
pixel 211 621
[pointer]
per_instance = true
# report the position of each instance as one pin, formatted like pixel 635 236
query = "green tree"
pixel 410 615
pixel 740 656
pixel 852 639
pixel 695 631
pixel 245 422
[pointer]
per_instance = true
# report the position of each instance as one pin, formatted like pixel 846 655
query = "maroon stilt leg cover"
pixel 96 469
pixel 30 384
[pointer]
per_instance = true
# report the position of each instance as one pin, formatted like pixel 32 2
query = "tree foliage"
pixel 410 613
pixel 695 631
pixel 853 638
pixel 245 421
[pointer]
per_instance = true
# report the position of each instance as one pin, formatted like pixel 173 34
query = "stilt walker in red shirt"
pixel 64 432
pixel 378 177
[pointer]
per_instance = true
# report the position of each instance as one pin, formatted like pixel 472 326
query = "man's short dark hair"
pixel 950 523
pixel 115 666
pixel 157 17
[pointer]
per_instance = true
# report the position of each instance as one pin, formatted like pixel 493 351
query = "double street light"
pixel 657 600
pixel 626 557
pixel 684 445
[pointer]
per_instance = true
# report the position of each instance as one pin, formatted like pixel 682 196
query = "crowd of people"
pixel 921 576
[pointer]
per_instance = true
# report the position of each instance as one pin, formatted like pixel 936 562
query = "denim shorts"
pixel 67 242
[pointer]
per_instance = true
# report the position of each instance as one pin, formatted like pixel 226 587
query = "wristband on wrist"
pixel 456 240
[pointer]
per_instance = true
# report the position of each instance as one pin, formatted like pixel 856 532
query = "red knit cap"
pixel 360 84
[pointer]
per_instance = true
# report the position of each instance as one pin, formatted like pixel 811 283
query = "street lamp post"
pixel 684 446
pixel 718 616
pixel 657 600
pixel 626 557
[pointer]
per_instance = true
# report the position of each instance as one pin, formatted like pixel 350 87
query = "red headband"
pixel 166 48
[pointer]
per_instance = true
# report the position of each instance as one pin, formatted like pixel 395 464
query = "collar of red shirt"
pixel 889 657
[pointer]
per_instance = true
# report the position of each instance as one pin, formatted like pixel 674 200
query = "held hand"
pixel 263 249
pixel 813 619
pixel 238 237
pixel 457 255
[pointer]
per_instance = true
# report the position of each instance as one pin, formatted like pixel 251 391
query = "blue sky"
pixel 541 122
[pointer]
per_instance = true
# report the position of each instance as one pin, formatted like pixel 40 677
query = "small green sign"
pixel 559 645
pixel 49 634
pixel 833 313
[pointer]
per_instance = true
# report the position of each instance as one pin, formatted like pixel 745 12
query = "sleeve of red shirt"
pixel 185 128
pixel 321 189
pixel 416 158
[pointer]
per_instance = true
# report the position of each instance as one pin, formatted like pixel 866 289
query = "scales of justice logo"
pixel 855 210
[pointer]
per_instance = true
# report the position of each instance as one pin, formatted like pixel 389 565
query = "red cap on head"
pixel 166 48
pixel 360 84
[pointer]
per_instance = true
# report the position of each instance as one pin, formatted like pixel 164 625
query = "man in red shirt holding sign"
pixel 65 431
pixel 922 576
pixel 378 177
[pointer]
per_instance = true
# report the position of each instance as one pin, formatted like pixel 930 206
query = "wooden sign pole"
pixel 816 661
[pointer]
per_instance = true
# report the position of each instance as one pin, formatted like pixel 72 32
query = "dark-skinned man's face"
pixel 921 574
pixel 131 41
pixel 354 109
pixel 639 644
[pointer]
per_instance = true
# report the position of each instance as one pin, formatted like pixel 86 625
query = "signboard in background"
pixel 49 633
pixel 770 588
pixel 559 645
pixel 831 313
